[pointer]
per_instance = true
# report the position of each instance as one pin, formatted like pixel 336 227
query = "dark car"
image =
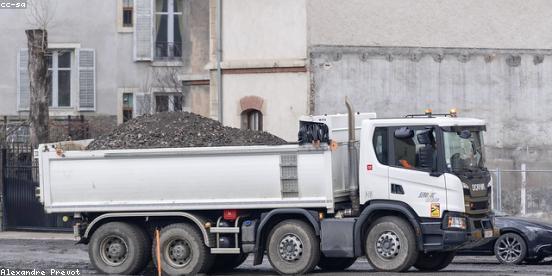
pixel 521 239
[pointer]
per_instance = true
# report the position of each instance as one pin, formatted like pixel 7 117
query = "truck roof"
pixel 440 121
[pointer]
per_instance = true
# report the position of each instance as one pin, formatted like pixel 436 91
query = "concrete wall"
pixel 509 89
pixel 431 23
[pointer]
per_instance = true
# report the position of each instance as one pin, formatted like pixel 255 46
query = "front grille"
pixel 479 205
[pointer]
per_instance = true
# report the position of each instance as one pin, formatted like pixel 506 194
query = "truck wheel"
pixel 391 245
pixel 183 251
pixel 510 248
pixel 293 247
pixel 434 261
pixel 227 262
pixel 335 264
pixel 119 248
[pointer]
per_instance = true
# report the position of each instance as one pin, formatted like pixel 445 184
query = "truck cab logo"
pixel 429 196
pixel 478 187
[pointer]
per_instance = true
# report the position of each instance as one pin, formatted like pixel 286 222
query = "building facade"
pixel 112 60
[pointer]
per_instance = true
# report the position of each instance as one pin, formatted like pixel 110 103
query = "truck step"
pixel 224 230
pixel 225 251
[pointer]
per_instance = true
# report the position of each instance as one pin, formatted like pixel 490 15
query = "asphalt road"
pixel 65 256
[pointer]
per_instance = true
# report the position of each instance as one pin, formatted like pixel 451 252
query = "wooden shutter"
pixel 23 82
pixel 142 104
pixel 143 30
pixel 86 59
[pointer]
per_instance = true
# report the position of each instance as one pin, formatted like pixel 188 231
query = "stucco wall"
pixel 284 95
pixel 431 23
pixel 93 24
pixel 264 29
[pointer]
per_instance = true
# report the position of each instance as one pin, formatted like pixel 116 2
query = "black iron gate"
pixel 22 210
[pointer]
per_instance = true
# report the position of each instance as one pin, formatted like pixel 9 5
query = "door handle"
pixel 397 189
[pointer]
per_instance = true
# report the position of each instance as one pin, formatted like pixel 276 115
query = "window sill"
pixel 125 30
pixel 167 63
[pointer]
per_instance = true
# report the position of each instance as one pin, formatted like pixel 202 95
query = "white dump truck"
pixel 403 192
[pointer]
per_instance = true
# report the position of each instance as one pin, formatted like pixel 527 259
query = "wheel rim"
pixel 113 250
pixel 509 249
pixel 178 253
pixel 388 245
pixel 290 248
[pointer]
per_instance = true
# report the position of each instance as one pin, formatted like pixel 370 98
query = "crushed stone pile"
pixel 179 130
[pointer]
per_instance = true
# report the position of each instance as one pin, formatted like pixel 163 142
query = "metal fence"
pixel 525 192
pixel 22 210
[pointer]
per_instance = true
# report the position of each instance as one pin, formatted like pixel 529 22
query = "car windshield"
pixel 463 150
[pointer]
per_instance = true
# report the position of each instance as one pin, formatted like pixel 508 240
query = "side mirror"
pixel 425 138
pixel 404 133
pixel 465 134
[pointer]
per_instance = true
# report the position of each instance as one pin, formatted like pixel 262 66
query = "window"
pixel 252 119
pixel 381 145
pixel 128 6
pixel 59 78
pixel 128 106
pixel 416 150
pixel 169 102
pixel 168 36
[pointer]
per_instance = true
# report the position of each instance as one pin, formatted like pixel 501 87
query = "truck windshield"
pixel 463 150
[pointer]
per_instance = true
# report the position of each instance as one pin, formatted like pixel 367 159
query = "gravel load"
pixel 179 130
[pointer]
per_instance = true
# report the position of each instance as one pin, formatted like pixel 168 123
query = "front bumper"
pixel 478 231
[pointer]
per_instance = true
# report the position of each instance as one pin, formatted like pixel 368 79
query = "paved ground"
pixel 45 254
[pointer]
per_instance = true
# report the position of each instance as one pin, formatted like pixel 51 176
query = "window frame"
pixel 440 167
pixel 122 28
pixel 54 74
pixel 245 115
pixel 171 101
pixel 170 13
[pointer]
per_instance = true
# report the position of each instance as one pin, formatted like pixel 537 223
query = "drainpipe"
pixel 219 56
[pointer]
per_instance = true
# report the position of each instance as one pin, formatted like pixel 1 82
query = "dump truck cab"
pixel 436 165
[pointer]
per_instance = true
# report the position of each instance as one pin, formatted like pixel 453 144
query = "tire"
pixel 390 245
pixel 183 251
pixel 434 261
pixel 510 248
pixel 534 260
pixel 335 264
pixel 223 263
pixel 302 244
pixel 119 248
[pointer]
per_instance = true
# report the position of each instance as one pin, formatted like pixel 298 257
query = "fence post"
pixel 2 171
pixel 523 187
pixel 498 190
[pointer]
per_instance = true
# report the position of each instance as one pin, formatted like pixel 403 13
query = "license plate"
pixel 488 233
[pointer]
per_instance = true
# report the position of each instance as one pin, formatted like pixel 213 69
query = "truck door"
pixel 413 177
pixel 374 165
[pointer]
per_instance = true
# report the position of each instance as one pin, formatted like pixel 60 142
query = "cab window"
pixel 381 145
pixel 414 148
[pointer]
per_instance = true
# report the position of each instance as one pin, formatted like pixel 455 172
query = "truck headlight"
pixel 457 222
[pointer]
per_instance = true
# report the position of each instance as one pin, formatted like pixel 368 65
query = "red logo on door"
pixel 369 167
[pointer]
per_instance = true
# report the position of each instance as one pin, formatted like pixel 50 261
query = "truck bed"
pixel 244 177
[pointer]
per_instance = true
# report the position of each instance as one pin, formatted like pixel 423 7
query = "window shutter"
pixel 142 104
pixel 143 30
pixel 23 82
pixel 86 59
